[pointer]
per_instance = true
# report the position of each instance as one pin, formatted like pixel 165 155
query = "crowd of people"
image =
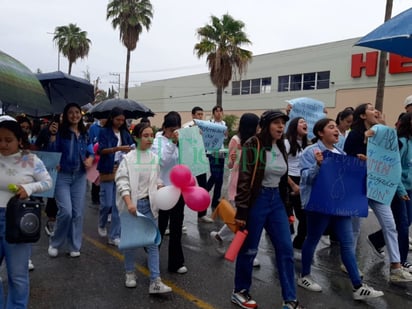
pixel 272 173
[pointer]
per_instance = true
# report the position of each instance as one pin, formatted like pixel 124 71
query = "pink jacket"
pixel 233 165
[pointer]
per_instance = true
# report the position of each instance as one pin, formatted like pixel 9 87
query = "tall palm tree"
pixel 131 16
pixel 72 42
pixel 221 41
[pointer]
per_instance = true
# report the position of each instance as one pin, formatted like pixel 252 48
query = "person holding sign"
pixel 326 136
pixel 364 117
pixel 261 192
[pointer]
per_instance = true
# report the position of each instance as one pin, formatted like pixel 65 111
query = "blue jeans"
pixel 70 195
pixel 107 206
pixel 143 206
pixel 409 207
pixel 17 259
pixel 342 228
pixel 267 212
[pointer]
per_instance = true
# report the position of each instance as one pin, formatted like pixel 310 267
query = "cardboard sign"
pixel 213 134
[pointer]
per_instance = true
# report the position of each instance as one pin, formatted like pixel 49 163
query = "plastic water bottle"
pixel 235 245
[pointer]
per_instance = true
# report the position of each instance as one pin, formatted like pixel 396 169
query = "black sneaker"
pixel 49 228
pixel 243 299
pixel 292 305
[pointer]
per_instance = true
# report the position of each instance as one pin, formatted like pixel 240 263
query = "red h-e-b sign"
pixel 397 64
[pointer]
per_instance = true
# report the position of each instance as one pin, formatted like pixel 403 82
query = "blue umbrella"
pixel 394 36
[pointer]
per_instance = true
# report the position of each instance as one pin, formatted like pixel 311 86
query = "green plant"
pixel 231 123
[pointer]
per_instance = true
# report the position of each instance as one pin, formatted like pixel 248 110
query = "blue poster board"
pixel 384 164
pixel 213 134
pixel 340 188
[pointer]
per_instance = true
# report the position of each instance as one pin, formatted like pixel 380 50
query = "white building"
pixel 337 73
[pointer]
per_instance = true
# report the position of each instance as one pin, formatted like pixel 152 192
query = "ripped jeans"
pixel 267 212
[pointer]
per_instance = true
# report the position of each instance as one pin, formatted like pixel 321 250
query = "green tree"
pixel 221 42
pixel 131 17
pixel 72 42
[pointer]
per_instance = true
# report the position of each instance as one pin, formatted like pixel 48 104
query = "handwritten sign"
pixel 340 187
pixel 384 164
pixel 213 134
pixel 310 109
pixel 192 151
pixel 51 160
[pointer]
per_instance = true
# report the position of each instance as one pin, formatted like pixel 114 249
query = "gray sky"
pixel 167 49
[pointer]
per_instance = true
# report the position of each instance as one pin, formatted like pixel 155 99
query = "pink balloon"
pixel 180 176
pixel 192 182
pixel 196 198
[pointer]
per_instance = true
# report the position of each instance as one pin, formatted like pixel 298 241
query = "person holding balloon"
pixel 137 181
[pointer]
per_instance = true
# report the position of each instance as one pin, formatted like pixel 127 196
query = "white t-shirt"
pixel 293 161
pixel 275 167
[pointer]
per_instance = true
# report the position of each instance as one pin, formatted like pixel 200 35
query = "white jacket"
pixel 127 180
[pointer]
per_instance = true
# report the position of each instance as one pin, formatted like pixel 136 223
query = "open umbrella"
pixel 62 88
pixel 394 36
pixel 132 109
pixel 20 90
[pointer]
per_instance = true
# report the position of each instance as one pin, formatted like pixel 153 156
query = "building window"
pixel 295 82
pixel 323 80
pixel 252 86
pixel 304 81
pixel 255 86
pixel 246 86
pixel 309 81
pixel 283 83
pixel 266 85
pixel 235 88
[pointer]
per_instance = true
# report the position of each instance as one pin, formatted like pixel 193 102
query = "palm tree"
pixel 131 16
pixel 221 41
pixel 72 42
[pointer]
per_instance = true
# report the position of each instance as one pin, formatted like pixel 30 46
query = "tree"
pixel 72 42
pixel 220 41
pixel 131 17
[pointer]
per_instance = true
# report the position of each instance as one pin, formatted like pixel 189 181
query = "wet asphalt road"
pixel 96 278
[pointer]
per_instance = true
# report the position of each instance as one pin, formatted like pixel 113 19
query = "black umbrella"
pixel 132 109
pixel 20 90
pixel 63 88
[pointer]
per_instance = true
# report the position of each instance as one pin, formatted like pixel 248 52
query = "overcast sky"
pixel 167 49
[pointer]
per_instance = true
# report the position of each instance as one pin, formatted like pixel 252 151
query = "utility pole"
pixel 116 82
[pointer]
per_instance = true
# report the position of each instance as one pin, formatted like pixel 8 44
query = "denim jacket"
pixel 107 139
pixel 74 151
pixel 309 170
pixel 405 152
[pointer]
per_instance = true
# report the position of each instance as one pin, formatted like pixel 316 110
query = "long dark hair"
pixel 116 111
pixel 344 114
pixel 64 129
pixel 292 137
pixel 267 141
pixel 247 126
pixel 319 126
pixel 358 123
pixel 405 125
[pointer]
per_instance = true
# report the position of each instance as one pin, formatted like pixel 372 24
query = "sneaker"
pixel 74 254
pixel 309 284
pixel 365 292
pixel 256 262
pixel 31 265
pixel 158 287
pixel 379 252
pixel 325 240
pixel 130 280
pixel 400 275
pixel 102 231
pixel 184 229
pixel 49 227
pixel 407 266
pixel 243 299
pixel 167 232
pixel 53 252
pixel 218 241
pixel 343 269
pixel 113 242
pixel 292 305
pixel 205 219
pixel 182 270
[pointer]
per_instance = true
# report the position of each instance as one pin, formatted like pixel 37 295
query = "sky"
pixel 166 50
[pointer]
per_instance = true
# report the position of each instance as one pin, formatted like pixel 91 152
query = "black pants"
pixel 202 181
pixel 300 214
pixel 51 208
pixel 95 194
pixel 217 168
pixel 174 218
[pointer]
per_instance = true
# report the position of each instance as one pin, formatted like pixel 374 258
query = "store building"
pixel 337 73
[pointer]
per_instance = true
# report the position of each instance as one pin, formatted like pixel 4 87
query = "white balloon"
pixel 166 197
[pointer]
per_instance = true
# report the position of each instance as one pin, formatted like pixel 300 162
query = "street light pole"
pixel 118 82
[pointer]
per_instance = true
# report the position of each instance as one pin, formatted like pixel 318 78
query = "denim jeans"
pixel 17 259
pixel 267 212
pixel 107 206
pixel 390 236
pixel 217 169
pixel 342 228
pixel 143 206
pixel 409 207
pixel 70 197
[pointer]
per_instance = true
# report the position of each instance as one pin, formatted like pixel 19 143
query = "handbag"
pixel 109 176
pixel 23 221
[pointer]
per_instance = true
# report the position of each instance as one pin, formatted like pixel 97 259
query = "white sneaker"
pixel 365 292
pixel 218 241
pixel 53 252
pixel 158 287
pixel 309 284
pixel 114 242
pixel 407 266
pixel 182 270
pixel 31 265
pixel 184 229
pixel 102 231
pixel 74 254
pixel 205 219
pixel 130 280
pixel 400 275
pixel 167 232
pixel 256 262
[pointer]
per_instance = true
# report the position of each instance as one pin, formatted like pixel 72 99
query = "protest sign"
pixel 213 134
pixel 384 164
pixel 192 151
pixel 51 160
pixel 339 188
pixel 310 109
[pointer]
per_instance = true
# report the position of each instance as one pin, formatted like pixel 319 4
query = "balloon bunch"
pixel 195 197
